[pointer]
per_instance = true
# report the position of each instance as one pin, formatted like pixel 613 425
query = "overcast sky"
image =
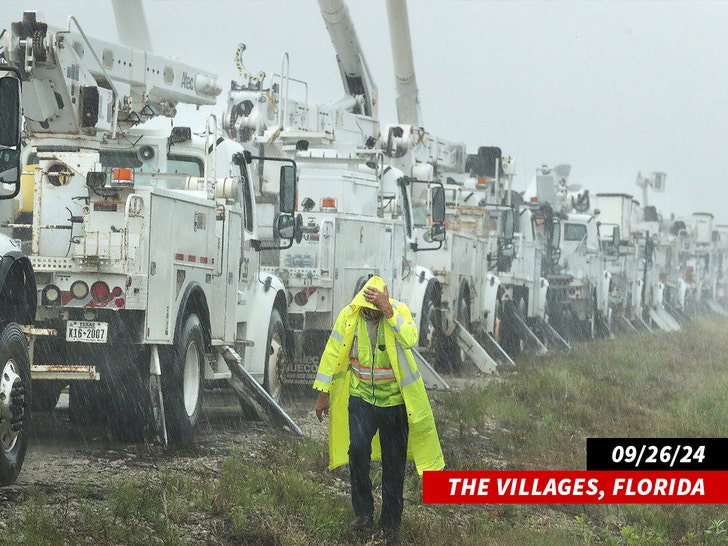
pixel 612 88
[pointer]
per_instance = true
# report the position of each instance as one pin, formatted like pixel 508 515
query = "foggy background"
pixel 611 88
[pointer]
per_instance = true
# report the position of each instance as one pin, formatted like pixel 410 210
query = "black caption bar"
pixel 657 453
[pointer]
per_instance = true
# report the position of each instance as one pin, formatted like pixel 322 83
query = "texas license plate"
pixel 88 332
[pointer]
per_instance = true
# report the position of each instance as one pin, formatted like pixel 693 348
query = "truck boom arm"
pixel 408 100
pixel 79 85
pixel 353 67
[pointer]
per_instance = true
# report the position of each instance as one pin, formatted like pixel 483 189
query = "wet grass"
pixel 538 418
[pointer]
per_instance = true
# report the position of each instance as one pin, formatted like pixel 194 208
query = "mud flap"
pixel 254 395
pixel 431 378
pixel 155 396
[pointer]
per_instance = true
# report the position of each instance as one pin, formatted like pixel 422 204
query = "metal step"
pixel 676 313
pixel 641 322
pixel 431 378
pixel 494 347
pixel 550 333
pixel 624 321
pixel 474 350
pixel 659 319
pixel 604 325
pixel 716 307
pixel 528 337
pixel 253 394
pixel 668 318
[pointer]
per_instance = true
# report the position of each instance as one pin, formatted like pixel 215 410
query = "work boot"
pixel 362 523
pixel 390 533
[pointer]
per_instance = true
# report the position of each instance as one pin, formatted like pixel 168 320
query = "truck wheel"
pixel 182 381
pixel 276 356
pixel 15 398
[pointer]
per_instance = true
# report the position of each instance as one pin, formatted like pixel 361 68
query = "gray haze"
pixel 612 88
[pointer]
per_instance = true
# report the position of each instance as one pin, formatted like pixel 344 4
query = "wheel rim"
pixel 191 378
pixel 12 405
pixel 275 359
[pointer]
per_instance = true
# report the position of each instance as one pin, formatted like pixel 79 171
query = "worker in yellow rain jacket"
pixel 369 381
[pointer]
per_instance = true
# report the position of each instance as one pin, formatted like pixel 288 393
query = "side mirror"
pixel 285 226
pixel 9 165
pixel 288 189
pixel 10 112
pixel 10 135
pixel 438 205
pixel 437 233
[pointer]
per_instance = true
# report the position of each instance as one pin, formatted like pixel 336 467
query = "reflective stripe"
pixel 365 372
pixel 324 378
pixel 361 373
pixel 400 321
pixel 337 336
pixel 409 377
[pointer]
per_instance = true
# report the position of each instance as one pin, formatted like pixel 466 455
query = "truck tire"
pixel 276 356
pixel 15 398
pixel 182 376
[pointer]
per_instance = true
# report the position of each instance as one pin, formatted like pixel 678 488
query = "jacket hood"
pixel 360 301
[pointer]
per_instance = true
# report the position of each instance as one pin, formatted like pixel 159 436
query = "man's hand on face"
pixel 380 300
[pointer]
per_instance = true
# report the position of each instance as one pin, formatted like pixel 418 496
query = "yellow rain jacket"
pixel 334 377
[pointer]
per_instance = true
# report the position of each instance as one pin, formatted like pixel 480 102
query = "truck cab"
pixel 17 292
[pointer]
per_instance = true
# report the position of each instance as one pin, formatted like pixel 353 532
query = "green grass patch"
pixel 536 418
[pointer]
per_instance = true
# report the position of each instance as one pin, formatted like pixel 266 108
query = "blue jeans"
pixel 364 421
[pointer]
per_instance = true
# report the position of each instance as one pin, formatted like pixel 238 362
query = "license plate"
pixel 88 332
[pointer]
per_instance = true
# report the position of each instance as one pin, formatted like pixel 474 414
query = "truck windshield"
pixel 574 232
pixel 127 159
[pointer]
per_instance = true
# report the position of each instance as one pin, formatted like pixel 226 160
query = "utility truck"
pixel 697 284
pixel 357 211
pixel 638 260
pixel 17 293
pixel 488 283
pixel 145 246
pixel 579 282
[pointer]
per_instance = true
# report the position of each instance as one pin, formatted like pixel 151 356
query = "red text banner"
pixel 574 487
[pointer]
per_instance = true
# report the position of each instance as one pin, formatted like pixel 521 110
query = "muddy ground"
pixel 70 464
pixel 66 460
